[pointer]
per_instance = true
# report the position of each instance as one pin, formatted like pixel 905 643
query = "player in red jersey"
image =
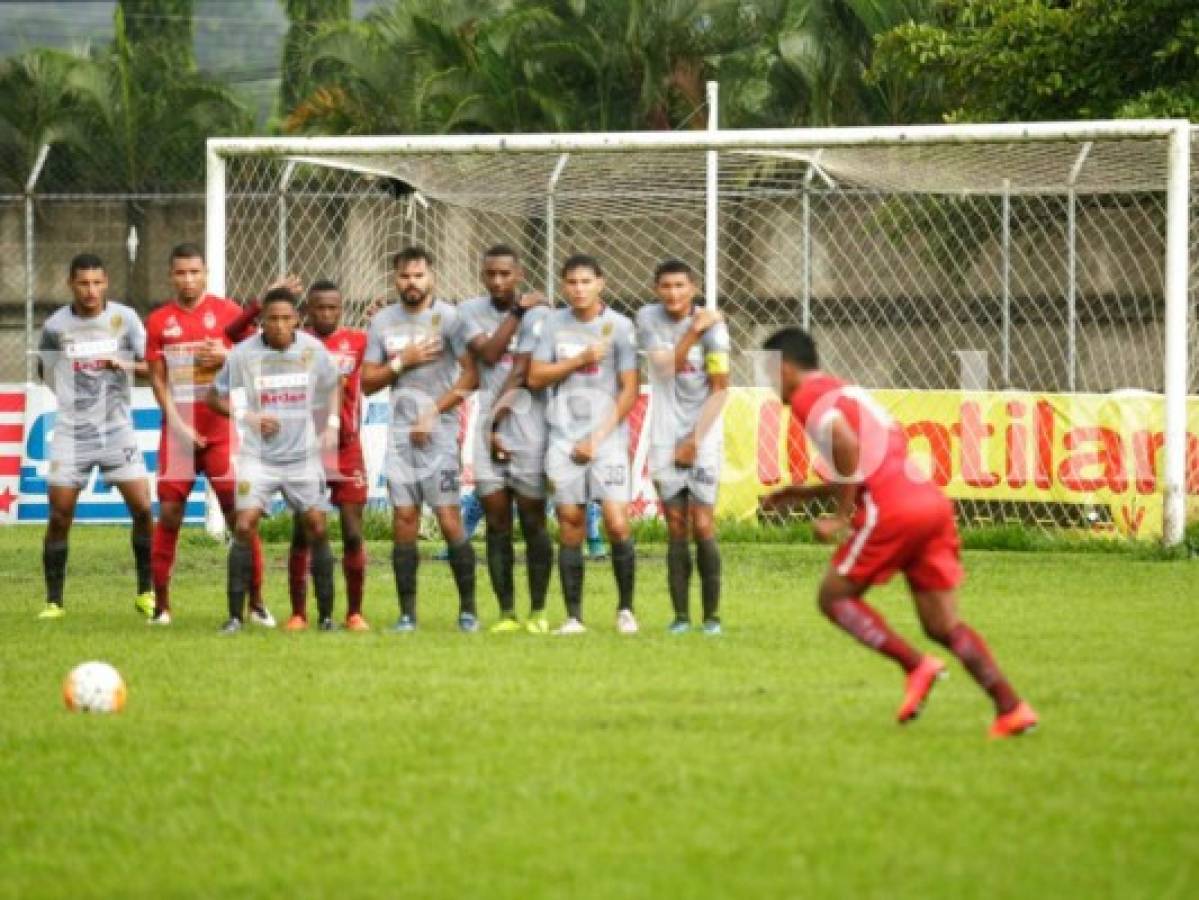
pixel 894 520
pixel 347 485
pixel 185 348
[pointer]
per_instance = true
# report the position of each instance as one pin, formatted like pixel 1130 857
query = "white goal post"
pixel 1059 253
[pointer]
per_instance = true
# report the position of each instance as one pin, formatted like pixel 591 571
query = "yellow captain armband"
pixel 717 363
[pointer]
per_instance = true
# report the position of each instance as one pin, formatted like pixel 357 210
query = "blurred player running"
pixel 283 388
pixel 347 481
pixel 687 349
pixel 89 352
pixel 186 345
pixel 895 520
pixel 413 346
pixel 500 330
pixel 588 355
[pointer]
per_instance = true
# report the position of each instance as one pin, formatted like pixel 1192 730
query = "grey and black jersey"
pixel 94 399
pixel 584 399
pixel 297 386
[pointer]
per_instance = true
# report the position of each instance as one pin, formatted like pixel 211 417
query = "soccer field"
pixel 764 763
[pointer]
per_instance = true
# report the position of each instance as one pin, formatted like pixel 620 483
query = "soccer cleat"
pixel 232 626
pixel 712 627
pixel 506 625
pixel 920 684
pixel 52 611
pixel 1019 720
pixel 144 604
pixel 537 624
pixel 296 623
pixel 405 624
pixel 355 622
pixel 160 617
pixel 626 622
pixel 678 626
pixel 326 624
pixel 468 623
pixel 260 615
pixel 571 626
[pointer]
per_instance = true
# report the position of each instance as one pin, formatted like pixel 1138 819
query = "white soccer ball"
pixel 94 687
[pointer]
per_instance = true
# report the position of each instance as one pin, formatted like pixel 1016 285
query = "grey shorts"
pixel 523 474
pixel 118 461
pixel 606 478
pixel 697 484
pixel 432 477
pixel 302 486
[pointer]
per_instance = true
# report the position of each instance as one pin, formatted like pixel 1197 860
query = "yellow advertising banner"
pixel 1096 450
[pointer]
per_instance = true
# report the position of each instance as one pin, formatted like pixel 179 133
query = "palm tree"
pixel 36 108
pixel 306 18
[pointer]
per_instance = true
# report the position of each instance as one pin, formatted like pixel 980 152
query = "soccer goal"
pixel 1018 296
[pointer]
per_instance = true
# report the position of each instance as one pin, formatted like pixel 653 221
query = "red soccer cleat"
pixel 356 623
pixel 1021 719
pixel 920 684
pixel 296 623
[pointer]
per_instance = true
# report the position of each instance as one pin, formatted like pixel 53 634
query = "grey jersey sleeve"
pixel 454 332
pixel 223 383
pixel 716 339
pixel 645 334
pixel 375 351
pixel 48 347
pixel 624 348
pixel 135 334
pixel 544 350
pixel 530 330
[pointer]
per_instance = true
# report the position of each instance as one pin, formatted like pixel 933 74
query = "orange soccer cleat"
pixel 296 623
pixel 920 684
pixel 1019 720
pixel 355 622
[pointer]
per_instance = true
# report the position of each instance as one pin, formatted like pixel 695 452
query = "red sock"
pixel 297 580
pixel 865 624
pixel 256 571
pixel 162 561
pixel 968 646
pixel 353 566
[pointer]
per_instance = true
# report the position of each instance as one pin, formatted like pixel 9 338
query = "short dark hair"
pixel 323 284
pixel 673 267
pixel 411 254
pixel 497 250
pixel 186 250
pixel 796 346
pixel 277 294
pixel 582 261
pixel 83 261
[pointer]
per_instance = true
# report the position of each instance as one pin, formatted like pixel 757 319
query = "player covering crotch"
pixel 347 479
pixel 282 389
pixel 500 330
pixel 186 345
pixel 587 355
pixel 687 354
pixel 414 348
pixel 890 518
pixel 89 353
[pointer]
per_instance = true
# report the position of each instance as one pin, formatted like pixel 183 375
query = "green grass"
pixel 761 764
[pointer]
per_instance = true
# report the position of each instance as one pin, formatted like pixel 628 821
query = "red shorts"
pixel 914 533
pixel 348 484
pixel 178 466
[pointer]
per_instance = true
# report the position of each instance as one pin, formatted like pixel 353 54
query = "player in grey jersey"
pixel 587 354
pixel 508 453
pixel 282 387
pixel 687 351
pixel 414 347
pixel 88 355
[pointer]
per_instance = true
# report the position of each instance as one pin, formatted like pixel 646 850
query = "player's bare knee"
pixel 703 526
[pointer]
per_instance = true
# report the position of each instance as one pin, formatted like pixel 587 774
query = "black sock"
pixel 707 555
pixel 404 563
pixel 540 555
pixel 570 570
pixel 54 565
pixel 678 577
pixel 241 563
pixel 622 568
pixel 462 564
pixel 141 560
pixel 500 559
pixel 321 566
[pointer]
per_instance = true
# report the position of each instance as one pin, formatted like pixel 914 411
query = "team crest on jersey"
pixel 306 357
pixel 436 320
pixel 606 331
pixel 172 329
pixel 115 323
pixel 243 488
pixel 209 320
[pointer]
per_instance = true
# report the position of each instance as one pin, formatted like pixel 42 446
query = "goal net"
pixel 1006 291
